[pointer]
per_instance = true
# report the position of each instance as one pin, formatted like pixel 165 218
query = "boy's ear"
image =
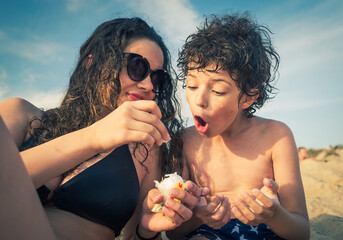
pixel 247 100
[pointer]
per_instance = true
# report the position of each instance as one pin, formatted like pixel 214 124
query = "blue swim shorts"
pixel 234 229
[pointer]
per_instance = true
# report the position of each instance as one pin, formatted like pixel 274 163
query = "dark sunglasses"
pixel 138 68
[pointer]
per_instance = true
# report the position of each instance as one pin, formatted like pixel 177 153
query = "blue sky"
pixel 40 40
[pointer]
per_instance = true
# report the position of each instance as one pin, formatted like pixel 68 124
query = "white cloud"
pixel 45 99
pixel 3 86
pixel 37 50
pixel 311 39
pixel 309 44
pixel 297 105
pixel 175 19
pixel 307 48
pixel 2 35
pixel 42 52
pixel 3 91
pixel 77 5
pixel 3 74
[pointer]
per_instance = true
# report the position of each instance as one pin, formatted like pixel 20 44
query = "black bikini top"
pixel 105 193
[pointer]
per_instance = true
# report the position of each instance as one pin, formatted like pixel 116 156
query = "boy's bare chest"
pixel 229 171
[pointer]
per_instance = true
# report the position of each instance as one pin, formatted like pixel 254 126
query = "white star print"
pixel 254 229
pixel 235 229
pixel 242 238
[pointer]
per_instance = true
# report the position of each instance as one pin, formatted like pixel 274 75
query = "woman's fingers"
pixel 154 197
pixel 133 121
pixel 149 115
pixel 145 132
pixel 176 211
pixel 187 198
pixel 149 106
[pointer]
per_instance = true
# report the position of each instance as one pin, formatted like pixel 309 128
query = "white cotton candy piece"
pixel 169 181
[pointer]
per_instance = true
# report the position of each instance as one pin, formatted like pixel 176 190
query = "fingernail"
pixel 244 194
pixel 173 192
pixel 255 191
pixel 170 202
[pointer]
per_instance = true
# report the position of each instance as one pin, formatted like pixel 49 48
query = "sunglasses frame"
pixel 157 85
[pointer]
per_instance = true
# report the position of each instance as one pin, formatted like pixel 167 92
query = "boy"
pixel 302 153
pixel 228 66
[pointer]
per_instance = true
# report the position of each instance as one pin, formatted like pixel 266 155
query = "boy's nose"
pixel 201 99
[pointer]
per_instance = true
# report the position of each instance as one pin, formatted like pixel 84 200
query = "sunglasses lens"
pixel 137 68
pixel 158 77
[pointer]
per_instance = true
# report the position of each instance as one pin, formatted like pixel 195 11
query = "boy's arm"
pixel 290 220
pixel 287 217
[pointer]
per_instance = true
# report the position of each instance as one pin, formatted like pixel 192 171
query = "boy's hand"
pixel 173 213
pixel 259 206
pixel 215 213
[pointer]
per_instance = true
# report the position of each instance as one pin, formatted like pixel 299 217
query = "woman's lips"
pixel 200 124
pixel 135 96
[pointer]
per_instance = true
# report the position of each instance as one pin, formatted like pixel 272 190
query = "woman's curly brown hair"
pixel 96 77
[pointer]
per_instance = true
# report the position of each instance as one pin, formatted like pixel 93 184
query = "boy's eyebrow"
pixel 221 80
pixel 190 75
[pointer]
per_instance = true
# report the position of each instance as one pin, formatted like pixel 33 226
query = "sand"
pixel 323 185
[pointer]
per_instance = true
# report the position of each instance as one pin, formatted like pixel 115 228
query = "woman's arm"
pixel 50 159
pixel 53 158
pixel 137 121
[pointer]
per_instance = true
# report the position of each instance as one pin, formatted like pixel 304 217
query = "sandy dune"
pixel 323 184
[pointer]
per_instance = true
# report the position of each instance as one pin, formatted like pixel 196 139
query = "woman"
pixel 94 158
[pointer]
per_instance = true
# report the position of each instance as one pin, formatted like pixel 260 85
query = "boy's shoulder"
pixel 190 132
pixel 271 126
pixel 260 121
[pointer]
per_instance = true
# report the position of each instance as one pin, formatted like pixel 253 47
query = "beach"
pixel 323 184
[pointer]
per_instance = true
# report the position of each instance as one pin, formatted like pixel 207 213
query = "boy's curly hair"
pixel 237 44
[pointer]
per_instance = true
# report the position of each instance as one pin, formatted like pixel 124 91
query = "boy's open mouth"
pixel 200 124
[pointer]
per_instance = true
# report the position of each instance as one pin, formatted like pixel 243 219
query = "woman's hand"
pixel 259 206
pixel 215 213
pixel 133 121
pixel 173 213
